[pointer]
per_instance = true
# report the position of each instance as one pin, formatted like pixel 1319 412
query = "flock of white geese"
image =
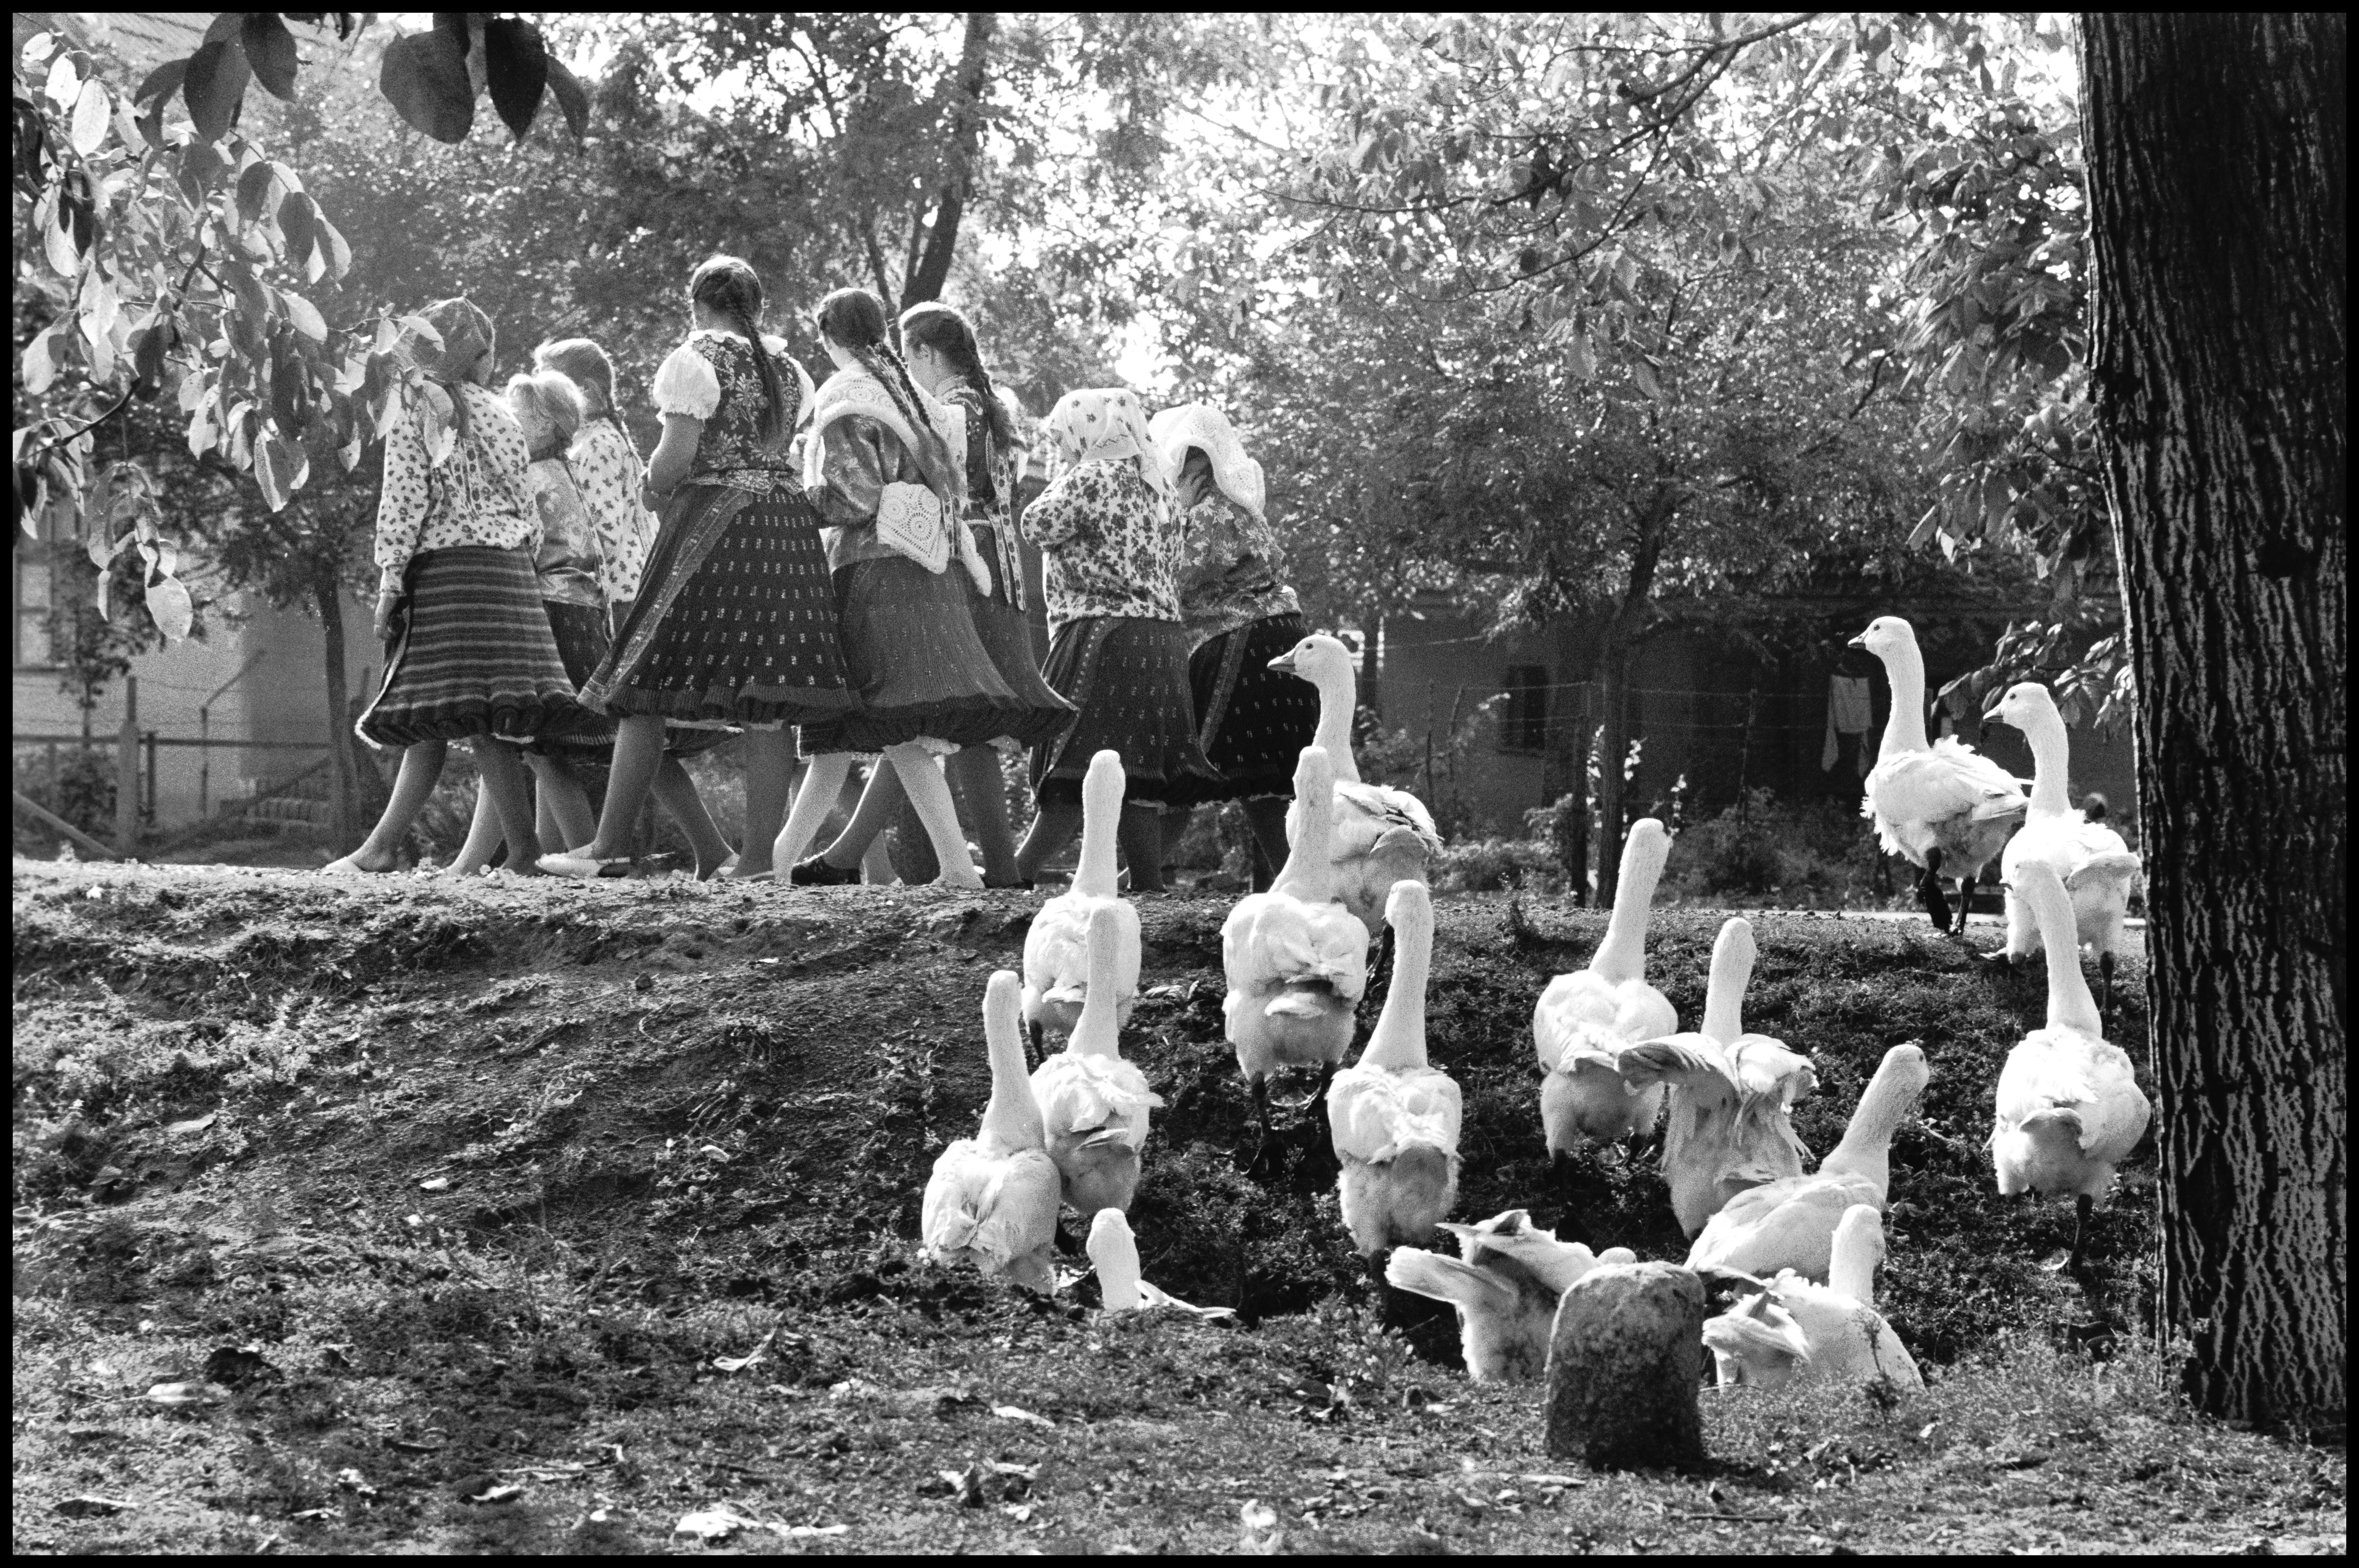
pixel 1795 1251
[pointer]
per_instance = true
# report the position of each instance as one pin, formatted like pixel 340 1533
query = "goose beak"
pixel 1283 664
pixel 1990 708
pixel 1860 641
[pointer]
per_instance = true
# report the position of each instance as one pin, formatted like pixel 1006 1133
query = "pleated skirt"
pixel 582 638
pixel 475 656
pixel 1006 637
pixel 1253 721
pixel 1128 677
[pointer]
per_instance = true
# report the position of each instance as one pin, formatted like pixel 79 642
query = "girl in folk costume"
pixel 471 656
pixel 1252 721
pixel 1118 649
pixel 885 464
pixel 733 625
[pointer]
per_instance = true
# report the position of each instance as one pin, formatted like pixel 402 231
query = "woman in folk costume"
pixel 734 624
pixel 885 466
pixel 471 657
pixel 1117 648
pixel 1252 721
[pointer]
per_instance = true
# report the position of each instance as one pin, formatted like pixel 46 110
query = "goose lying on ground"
pixel 1113 1253
pixel 1584 1019
pixel 1728 1125
pixel 2070 1109
pixel 1094 1103
pixel 2096 866
pixel 1793 1331
pixel 1505 1283
pixel 1056 948
pixel 1943 804
pixel 1394 1116
pixel 1790 1223
pixel 992 1200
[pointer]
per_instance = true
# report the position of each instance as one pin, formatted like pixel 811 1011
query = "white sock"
pixel 822 781
pixel 929 795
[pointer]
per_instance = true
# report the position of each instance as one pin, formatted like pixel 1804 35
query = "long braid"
pixel 732 287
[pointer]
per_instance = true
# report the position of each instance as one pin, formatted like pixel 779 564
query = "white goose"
pixel 1505 1283
pixel 1113 1253
pixel 1584 1019
pixel 1056 947
pixel 1094 1103
pixel 1943 804
pixel 2070 1109
pixel 992 1200
pixel 1381 835
pixel 2097 867
pixel 1728 1124
pixel 1394 1116
pixel 1790 1223
pixel 1793 1331
pixel 1297 960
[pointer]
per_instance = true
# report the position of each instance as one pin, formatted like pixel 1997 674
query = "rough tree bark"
pixel 2216 159
pixel 1613 670
pixel 924 280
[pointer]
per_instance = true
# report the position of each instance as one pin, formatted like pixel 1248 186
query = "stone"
pixel 1625 1363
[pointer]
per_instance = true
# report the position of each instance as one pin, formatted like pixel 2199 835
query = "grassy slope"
pixel 672 1120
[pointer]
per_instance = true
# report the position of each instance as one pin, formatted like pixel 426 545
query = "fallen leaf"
pixel 805 1532
pixel 1544 1480
pixel 712 1524
pixel 1014 1413
pixel 435 1185
pixel 1019 1512
pixel 92 1507
pixel 193 1125
pixel 186 1394
pixel 739 1363
pixel 1256 1517
pixel 353 1481
pixel 404 1445
pixel 495 1492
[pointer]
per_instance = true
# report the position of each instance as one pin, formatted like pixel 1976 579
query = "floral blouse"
pixel 712 377
pixel 609 471
pixel 1231 570
pixel 478 496
pixel 1112 545
pixel 990 496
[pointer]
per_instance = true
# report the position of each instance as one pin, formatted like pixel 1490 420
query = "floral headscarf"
pixel 1204 426
pixel 1105 425
pixel 468 337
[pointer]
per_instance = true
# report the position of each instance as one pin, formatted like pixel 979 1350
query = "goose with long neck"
pixel 1055 949
pixel 1943 806
pixel 1114 1254
pixel 1728 1123
pixel 1794 1331
pixel 1505 1283
pixel 2069 1106
pixel 2098 870
pixel 1584 1019
pixel 1790 1223
pixel 1094 1103
pixel 1295 959
pixel 1394 1116
pixel 992 1200
pixel 1379 834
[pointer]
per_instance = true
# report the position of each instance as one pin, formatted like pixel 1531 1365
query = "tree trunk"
pixel 343 795
pixel 924 280
pixel 2216 166
pixel 1613 671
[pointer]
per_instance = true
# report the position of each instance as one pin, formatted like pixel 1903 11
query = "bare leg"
pixel 1141 838
pixel 878 801
pixel 769 777
pixel 563 813
pixel 676 792
pixel 483 835
pixel 822 781
pixel 501 766
pixel 982 794
pixel 929 793
pixel 638 749
pixel 421 769
pixel 1267 818
pixel 1052 830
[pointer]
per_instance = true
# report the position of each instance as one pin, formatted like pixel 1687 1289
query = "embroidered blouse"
pixel 478 496
pixel 565 559
pixel 609 471
pixel 712 377
pixel 990 496
pixel 1230 569
pixel 1111 545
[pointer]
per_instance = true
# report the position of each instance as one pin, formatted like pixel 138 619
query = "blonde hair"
pixel 549 395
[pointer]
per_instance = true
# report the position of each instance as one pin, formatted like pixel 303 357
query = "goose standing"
pixel 2096 866
pixel 1113 1253
pixel 1056 947
pixel 1728 1124
pixel 1793 1331
pixel 1094 1103
pixel 1393 1115
pixel 1381 835
pixel 1505 1283
pixel 1790 1223
pixel 2070 1109
pixel 1943 804
pixel 1584 1019
pixel 992 1200
pixel 1297 960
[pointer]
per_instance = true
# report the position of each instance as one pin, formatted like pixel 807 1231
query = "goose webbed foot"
pixel 1262 1163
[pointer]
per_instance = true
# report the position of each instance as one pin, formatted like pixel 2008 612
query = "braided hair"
pixel 854 320
pixel 468 339
pixel 730 287
pixel 946 331
pixel 585 364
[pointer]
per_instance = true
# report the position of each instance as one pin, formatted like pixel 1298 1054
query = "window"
pixel 1523 726
pixel 29 618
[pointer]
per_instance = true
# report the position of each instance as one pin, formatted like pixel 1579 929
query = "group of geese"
pixel 1795 1251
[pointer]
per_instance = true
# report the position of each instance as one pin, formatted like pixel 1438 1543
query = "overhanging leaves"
pixel 424 77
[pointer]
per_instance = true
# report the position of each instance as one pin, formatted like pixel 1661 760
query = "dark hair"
pixel 586 365
pixel 854 319
pixel 468 339
pixel 730 287
pixel 946 331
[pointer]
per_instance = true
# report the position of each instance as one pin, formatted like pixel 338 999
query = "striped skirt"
pixel 1128 675
pixel 475 656
pixel 1252 721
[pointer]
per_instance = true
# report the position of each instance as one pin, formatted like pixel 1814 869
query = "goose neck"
pixel 1851 1267
pixel 1866 1146
pixel 2052 764
pixel 1308 873
pixel 1723 996
pixel 1904 666
pixel 1337 696
pixel 1094 1031
pixel 1397 1042
pixel 1095 875
pixel 2069 1005
pixel 1013 1117
pixel 1623 955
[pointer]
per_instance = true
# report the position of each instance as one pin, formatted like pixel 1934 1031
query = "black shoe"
pixel 815 872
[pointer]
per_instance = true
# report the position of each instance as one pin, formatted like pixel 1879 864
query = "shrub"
pixel 1494 864
pixel 1801 851
pixel 83 792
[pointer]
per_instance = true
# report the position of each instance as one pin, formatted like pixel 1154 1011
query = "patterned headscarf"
pixel 1105 425
pixel 1204 426
pixel 468 337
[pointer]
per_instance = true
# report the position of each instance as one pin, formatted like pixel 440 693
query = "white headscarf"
pixel 1201 425
pixel 1105 425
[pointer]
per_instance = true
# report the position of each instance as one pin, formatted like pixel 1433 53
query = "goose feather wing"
pixel 1084 1093
pixel 1909 794
pixel 1374 1112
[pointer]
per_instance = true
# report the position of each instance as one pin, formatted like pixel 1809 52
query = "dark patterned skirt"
pixel 1253 721
pixel 1006 636
pixel 1128 675
pixel 920 671
pixel 581 642
pixel 741 631
pixel 476 656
